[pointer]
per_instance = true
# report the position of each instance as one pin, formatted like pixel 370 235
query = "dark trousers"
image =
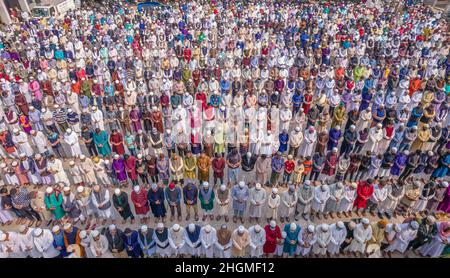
pixel 92 149
pixel 172 210
pixel 406 173
pixel 30 213
pixel 314 175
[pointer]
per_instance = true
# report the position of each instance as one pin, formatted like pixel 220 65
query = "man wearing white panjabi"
pixel 43 243
pixel 435 247
pixel 306 240
pixel 176 240
pixel 192 240
pixel 257 240
pixel 321 195
pixel 8 245
pixel 267 143
pixel 288 202
pixel 273 202
pixel 408 232
pixel 295 139
pixel 99 245
pixel 361 234
pixel 97 118
pixel 375 136
pixel 55 166
pixel 208 238
pixel 25 242
pixel 20 139
pixel 100 170
pixel 88 170
pixel 161 238
pixel 102 202
pixel 40 141
pixel 349 197
pixel 223 202
pixel 71 139
pixel 72 101
pixel 257 198
pixel 222 247
pixel 285 117
pixel 338 234
pixel 85 242
pixel 323 235
pixel 309 142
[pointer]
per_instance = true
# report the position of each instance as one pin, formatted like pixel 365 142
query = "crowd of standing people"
pixel 226 112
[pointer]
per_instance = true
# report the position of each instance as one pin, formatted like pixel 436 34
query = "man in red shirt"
pixel 218 165
pixel 363 193
pixel 289 166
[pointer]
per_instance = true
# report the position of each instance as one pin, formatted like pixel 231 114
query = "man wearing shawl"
pixel 223 244
pixel 292 231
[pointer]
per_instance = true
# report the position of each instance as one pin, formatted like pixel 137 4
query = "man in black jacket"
pixel 248 162
pixel 427 230
pixel 387 162
pixel 120 201
pixel 115 241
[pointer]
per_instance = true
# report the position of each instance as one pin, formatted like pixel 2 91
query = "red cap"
pixel 171 185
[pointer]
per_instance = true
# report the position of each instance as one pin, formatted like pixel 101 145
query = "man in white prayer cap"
pixel 361 235
pixel 208 238
pixel 338 234
pixel 222 247
pixel 257 240
pixel 257 198
pixel 408 232
pixel 176 240
pixel 193 244
pixel 20 139
pixel 25 241
pixel 99 245
pixel 323 235
pixel 71 138
pixel 161 237
pixel 273 203
pixel 43 243
pixel 223 202
pixel 241 240
pixel 306 240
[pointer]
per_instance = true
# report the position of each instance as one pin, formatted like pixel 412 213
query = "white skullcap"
pixel 176 227
pixel 205 184
pixel 22 155
pixel 397 227
pixel 283 234
pixel 82 156
pixel 117 191
pixel 56 228
pixel 258 186
pixel 49 190
pixel 257 228
pixel 292 226
pixel 69 130
pixel 16 130
pixel 139 156
pixel 191 227
pixel 159 225
pixel 414 225
pixel 3 165
pixel 223 187
pixel 445 184
pixel 274 190
pixel 241 229
pixel 66 188
pixel 83 234
pixel 136 188
pixel 144 228
pixel 116 156
pixel 95 233
pixel 297 128
pixel 14 164
pixel 37 232
pixel 365 221
pixel 80 189
pixel 340 224
pixel 71 163
pixel 311 228
pixel 2 236
pixel 112 227
pixel 273 224
pixel 208 228
pixel 241 184
pixel 325 227
pixel 354 184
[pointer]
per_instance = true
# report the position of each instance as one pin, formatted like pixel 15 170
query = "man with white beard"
pixel 208 238
pixel 99 245
pixel 361 235
pixel 192 240
pixel 176 240
pixel 20 139
pixel 257 198
pixel 349 196
pixel 408 232
pixel 338 234
pixel 323 235
pixel 43 243
pixel 85 242
pixel 273 202
pixel 288 202
pixel 71 139
pixel 321 195
pixel 306 240
pixel 97 118
pixel 25 242
pixel 257 240
pixel 222 247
